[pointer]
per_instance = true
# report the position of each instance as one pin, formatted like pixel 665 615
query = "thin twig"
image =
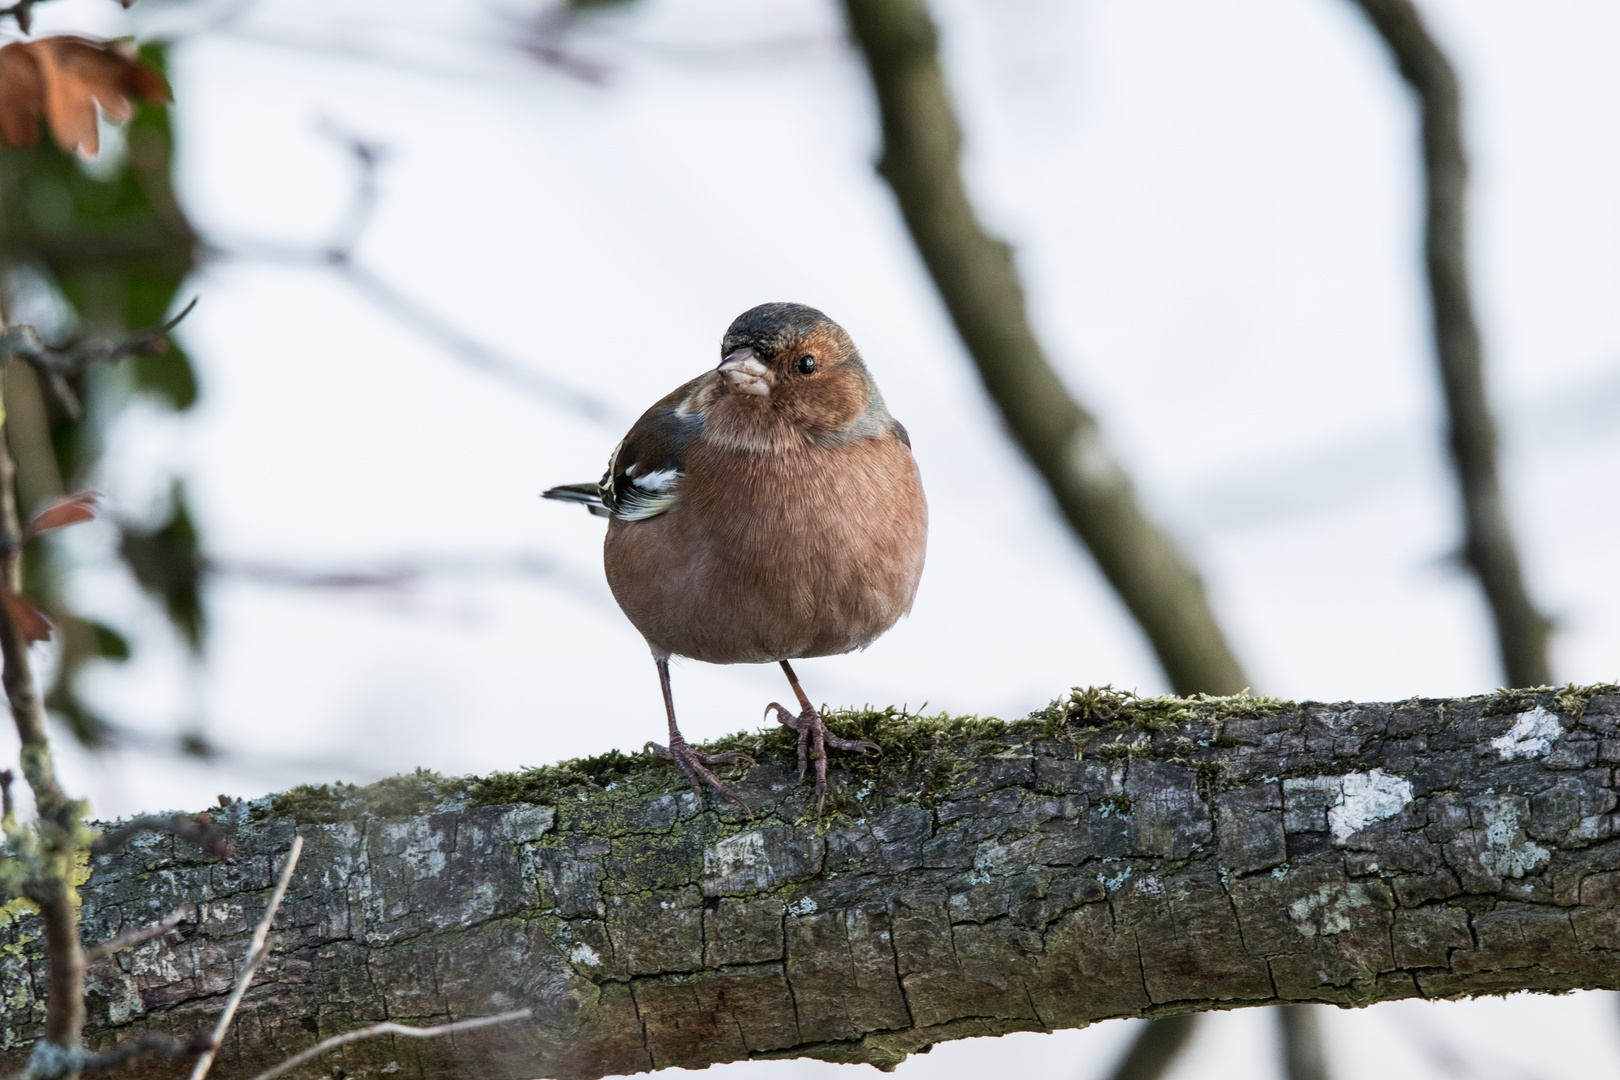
pixel 337 254
pixel 51 1062
pixel 7 808
pixel 258 949
pixel 390 1029
pixel 131 938
pixel 55 363
pixel 200 830
pixel 392 575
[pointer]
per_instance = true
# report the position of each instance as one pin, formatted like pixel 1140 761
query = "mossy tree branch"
pixel 1488 546
pixel 1107 857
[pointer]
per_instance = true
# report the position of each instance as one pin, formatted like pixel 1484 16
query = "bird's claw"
pixel 695 764
pixel 814 738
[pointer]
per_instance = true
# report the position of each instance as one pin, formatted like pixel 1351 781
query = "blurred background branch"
pixel 1488 547
pixel 978 281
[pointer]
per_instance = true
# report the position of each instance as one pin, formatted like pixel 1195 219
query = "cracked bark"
pixel 1025 877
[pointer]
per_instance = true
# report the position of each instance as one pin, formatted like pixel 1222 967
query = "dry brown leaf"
pixel 26 617
pixel 63 78
pixel 63 512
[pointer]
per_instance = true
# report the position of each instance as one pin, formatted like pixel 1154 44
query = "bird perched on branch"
pixel 766 511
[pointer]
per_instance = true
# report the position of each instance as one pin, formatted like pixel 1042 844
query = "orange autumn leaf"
pixel 63 512
pixel 63 78
pixel 27 618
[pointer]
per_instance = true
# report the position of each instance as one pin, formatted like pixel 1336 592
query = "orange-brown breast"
pixel 775 556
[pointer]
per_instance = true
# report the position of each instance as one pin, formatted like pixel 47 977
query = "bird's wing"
pixel 644 474
pixel 587 495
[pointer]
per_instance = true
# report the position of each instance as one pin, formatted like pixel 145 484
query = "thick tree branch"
pixel 1488 548
pixel 1107 857
pixel 979 284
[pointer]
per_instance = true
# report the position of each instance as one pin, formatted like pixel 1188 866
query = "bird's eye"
pixel 807 365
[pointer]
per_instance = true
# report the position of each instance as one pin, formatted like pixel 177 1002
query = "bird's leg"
pixel 814 738
pixel 692 762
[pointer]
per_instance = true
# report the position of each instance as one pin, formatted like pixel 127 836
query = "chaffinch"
pixel 767 510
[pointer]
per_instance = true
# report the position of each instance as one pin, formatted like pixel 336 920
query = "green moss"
pixel 394 798
pixel 1097 706
pixel 1573 700
pixel 541 785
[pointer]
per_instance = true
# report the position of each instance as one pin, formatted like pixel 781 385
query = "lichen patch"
pixel 1366 797
pixel 1531 736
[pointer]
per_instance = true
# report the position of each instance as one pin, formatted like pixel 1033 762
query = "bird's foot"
pixel 814 738
pixel 695 764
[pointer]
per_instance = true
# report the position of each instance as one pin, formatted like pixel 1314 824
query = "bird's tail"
pixel 587 495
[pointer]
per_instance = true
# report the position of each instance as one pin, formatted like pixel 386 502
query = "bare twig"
pixel 200 830
pixel 390 1029
pixel 976 277
pixel 390 575
pixel 7 807
pixel 1489 549
pixel 51 1062
pixel 337 255
pixel 258 949
pixel 140 936
pixel 56 363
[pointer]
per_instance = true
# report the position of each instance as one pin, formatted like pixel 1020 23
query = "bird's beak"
pixel 744 374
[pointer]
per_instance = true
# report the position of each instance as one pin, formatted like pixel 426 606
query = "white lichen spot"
pixel 803 906
pixel 390 1068
pixel 1531 735
pixel 584 954
pixel 737 864
pixel 1507 851
pixel 1112 884
pixel 1327 911
pixel 1366 798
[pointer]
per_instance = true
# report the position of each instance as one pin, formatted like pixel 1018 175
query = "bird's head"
pixel 792 361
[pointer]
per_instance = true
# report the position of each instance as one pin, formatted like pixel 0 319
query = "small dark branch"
pixel 131 938
pixel 368 156
pixel 1522 630
pixel 1303 1057
pixel 391 1029
pixel 51 1062
pixel 394 575
pixel 546 41
pixel 54 364
pixel 450 338
pixel 200 830
pixel 1156 1047
pixel 978 281
pixel 7 807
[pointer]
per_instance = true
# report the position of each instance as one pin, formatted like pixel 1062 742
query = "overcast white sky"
pixel 1215 209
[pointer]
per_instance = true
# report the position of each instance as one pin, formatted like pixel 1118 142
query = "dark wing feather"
pixel 644 474
pixel 587 495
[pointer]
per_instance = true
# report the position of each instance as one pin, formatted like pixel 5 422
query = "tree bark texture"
pixel 1096 860
pixel 1488 547
pixel 978 281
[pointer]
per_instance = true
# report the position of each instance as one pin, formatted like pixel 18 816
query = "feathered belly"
pixel 776 567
